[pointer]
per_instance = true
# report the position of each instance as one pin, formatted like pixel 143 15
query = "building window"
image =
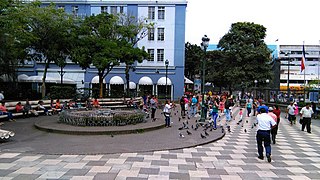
pixel 161 12
pixel 75 10
pixel 151 54
pixel 151 34
pixel 160 54
pixel 160 34
pixel 113 10
pixel 61 7
pixel 121 9
pixel 104 9
pixel 151 12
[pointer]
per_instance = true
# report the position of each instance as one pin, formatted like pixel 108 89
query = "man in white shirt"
pixel 265 123
pixel 306 114
pixel 290 112
pixel 166 112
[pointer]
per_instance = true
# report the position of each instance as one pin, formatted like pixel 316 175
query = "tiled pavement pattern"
pixel 295 156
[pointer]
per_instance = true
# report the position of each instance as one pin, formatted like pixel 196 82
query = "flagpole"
pixel 304 75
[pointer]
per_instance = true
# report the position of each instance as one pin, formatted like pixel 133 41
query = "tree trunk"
pixel 43 86
pixel 127 80
pixel 230 91
pixel 101 84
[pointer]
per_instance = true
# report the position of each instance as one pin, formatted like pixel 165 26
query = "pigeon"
pixel 187 122
pixel 184 124
pixel 222 130
pixel 188 132
pixel 186 127
pixel 112 135
pixel 179 119
pixel 192 126
pixel 202 136
pixel 246 121
pixel 229 130
pixel 211 129
pixel 254 124
pixel 180 128
pixel 207 134
pixel 181 135
pixel 196 121
pixel 175 113
pixel 196 128
pixel 238 123
pixel 188 117
pixel 252 127
pixel 245 130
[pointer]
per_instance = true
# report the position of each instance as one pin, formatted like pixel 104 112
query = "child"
pixel 240 116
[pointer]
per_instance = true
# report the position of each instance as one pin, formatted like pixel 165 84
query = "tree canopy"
pixel 49 29
pixel 247 57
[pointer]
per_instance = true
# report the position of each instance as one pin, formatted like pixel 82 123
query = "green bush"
pixel 62 92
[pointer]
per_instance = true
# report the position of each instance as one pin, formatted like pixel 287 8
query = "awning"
pixel 116 80
pixel 132 85
pixel 95 80
pixel 22 77
pixel 162 81
pixel 38 79
pixel 145 80
pixel 66 81
pixel 187 81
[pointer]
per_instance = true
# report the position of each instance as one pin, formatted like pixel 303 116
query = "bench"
pixel 11 107
pixel 104 102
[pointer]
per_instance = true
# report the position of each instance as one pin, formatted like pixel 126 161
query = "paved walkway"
pixel 295 156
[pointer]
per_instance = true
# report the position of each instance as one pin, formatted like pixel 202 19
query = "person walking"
pixel 153 105
pixel 167 112
pixel 265 123
pixel 183 107
pixel 290 112
pixel 274 117
pixel 227 105
pixel 249 107
pixel 193 108
pixel 274 131
pixel 306 114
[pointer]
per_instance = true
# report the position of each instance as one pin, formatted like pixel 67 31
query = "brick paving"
pixel 295 156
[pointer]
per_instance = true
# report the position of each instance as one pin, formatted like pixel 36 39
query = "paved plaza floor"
pixel 296 155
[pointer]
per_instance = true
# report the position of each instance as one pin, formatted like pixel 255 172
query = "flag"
pixel 303 59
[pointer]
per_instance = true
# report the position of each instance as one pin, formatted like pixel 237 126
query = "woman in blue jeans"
pixel 166 112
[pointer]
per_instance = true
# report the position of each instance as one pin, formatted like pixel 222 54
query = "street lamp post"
pixel 167 64
pixel 255 88
pixel 61 74
pixel 288 87
pixel 267 90
pixel 204 45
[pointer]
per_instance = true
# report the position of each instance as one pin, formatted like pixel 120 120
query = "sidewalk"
pixel 295 156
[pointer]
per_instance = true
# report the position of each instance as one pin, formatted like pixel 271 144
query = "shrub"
pixel 62 92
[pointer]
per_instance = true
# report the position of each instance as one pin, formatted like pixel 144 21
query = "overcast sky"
pixel 290 21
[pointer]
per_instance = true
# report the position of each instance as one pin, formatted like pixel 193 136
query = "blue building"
pixel 166 41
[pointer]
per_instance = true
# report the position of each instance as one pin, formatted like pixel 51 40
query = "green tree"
pixel 50 30
pixel 193 56
pixel 96 44
pixel 247 55
pixel 13 38
pixel 131 31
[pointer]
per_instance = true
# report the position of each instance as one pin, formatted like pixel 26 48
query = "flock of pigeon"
pixel 204 127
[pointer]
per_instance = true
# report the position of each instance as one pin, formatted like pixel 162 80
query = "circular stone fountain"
pixel 101 117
